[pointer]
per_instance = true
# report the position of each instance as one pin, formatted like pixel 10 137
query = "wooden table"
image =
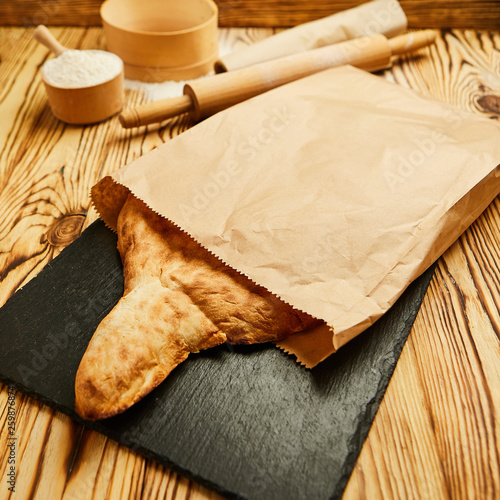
pixel 436 434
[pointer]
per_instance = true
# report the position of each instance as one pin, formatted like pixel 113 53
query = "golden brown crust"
pixel 178 298
pixel 147 334
pixel 246 312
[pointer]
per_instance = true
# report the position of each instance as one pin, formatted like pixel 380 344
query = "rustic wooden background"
pixel 477 14
pixel 436 434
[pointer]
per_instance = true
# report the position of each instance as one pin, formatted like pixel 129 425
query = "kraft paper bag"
pixel 378 16
pixel 334 192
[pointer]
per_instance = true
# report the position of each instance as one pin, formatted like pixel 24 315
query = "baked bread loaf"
pixel 178 298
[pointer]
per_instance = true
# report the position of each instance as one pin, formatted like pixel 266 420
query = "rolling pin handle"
pixel 411 41
pixel 155 111
pixel 129 118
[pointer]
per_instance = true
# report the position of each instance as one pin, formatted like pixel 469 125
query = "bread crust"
pixel 178 298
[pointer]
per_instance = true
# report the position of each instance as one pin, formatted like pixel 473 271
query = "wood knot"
pixel 65 230
pixel 490 103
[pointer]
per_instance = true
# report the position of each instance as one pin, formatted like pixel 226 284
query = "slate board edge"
pixel 359 435
pixel 366 421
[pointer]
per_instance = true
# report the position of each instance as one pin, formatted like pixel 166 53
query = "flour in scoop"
pixel 81 68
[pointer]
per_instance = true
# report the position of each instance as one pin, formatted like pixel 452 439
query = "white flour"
pixel 81 68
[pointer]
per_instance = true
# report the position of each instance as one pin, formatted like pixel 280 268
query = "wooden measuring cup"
pixel 84 104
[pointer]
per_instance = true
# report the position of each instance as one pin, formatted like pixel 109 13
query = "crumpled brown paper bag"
pixel 378 16
pixel 335 192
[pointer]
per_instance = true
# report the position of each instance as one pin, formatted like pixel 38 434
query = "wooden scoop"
pixel 210 95
pixel 86 104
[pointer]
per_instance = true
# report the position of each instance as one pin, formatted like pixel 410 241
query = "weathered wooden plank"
pixel 444 409
pixel 476 14
pixel 462 69
pixel 420 13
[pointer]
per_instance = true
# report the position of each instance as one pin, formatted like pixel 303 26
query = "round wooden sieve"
pixel 162 40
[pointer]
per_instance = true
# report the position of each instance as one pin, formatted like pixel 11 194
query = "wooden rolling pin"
pixel 207 96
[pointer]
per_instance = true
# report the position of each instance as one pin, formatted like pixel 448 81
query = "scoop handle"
pixel 45 37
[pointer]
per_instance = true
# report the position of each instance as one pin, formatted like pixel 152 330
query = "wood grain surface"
pixel 436 432
pixel 473 14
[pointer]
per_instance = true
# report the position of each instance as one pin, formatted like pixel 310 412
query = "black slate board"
pixel 247 421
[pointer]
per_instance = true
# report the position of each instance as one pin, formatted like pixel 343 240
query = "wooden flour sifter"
pixel 207 96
